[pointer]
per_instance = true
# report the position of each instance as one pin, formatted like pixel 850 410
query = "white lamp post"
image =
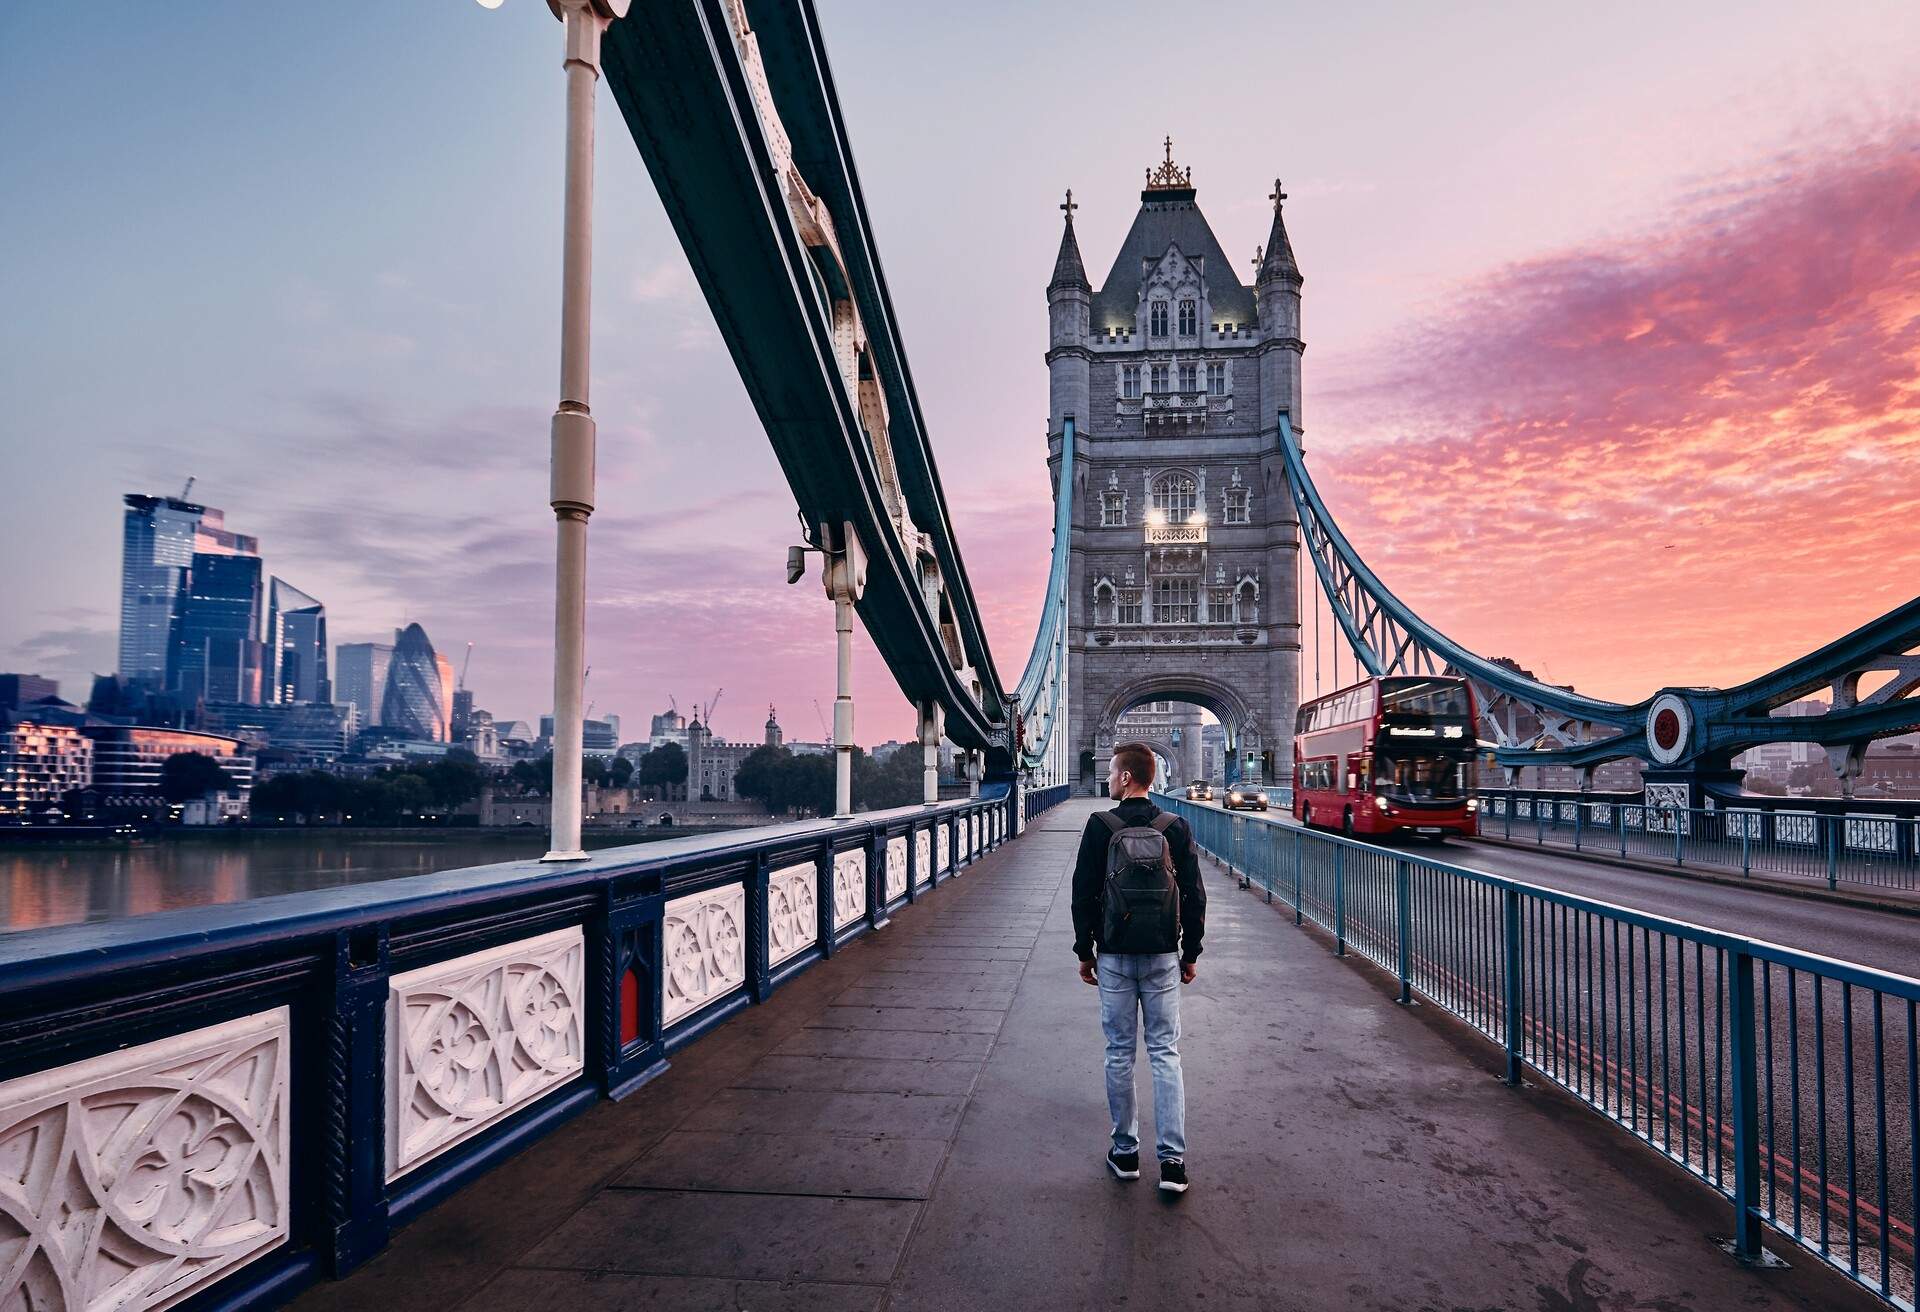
pixel 571 490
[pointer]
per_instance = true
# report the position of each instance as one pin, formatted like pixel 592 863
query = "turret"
pixel 1277 286
pixel 1069 311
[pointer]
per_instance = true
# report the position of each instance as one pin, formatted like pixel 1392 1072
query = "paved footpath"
pixel 918 1125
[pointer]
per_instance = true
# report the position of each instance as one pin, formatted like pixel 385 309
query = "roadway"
pixel 1886 940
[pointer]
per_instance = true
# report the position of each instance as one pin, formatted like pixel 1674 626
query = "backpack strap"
pixel 1114 822
pixel 1164 821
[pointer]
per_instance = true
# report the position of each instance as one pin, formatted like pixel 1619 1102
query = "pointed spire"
pixel 1068 271
pixel 1277 261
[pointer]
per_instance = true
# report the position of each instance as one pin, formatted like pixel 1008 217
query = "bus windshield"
pixel 1406 696
pixel 1422 778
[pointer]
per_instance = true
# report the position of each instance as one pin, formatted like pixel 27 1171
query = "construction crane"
pixel 461 686
pixel 588 713
pixel 708 717
pixel 188 489
pixel 826 734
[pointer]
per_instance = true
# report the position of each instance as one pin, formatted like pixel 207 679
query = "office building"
pixel 295 733
pixel 159 538
pixel 296 646
pixel 418 702
pixel 18 690
pixel 127 758
pixel 360 678
pixel 219 616
pixel 39 764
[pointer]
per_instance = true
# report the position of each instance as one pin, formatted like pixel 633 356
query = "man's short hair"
pixel 1137 760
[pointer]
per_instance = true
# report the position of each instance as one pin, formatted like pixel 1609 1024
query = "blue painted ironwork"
pixel 74 992
pixel 1533 723
pixel 1041 694
pixel 1786 1081
pixel 734 111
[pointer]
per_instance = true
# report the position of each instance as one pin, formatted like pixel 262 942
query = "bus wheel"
pixel 1346 823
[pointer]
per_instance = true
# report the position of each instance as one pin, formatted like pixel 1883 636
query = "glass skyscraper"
pixel 158 541
pixel 360 678
pixel 296 646
pixel 217 652
pixel 419 696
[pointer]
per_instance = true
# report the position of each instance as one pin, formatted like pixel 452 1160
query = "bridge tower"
pixel 1185 544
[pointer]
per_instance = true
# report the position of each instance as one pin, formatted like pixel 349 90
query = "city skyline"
pixel 1532 327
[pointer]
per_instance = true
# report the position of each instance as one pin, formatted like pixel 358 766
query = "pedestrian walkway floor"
pixel 919 1123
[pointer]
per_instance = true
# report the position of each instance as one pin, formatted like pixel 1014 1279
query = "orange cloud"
pixel 1681 459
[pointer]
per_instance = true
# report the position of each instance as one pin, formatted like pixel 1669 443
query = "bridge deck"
pixel 918 1124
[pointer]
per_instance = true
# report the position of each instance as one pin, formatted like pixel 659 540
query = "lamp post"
pixel 571 484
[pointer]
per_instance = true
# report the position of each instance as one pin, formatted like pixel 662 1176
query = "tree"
pixel 620 773
pixel 187 775
pixel 764 776
pixel 1761 784
pixel 664 766
pixel 534 777
pixel 895 780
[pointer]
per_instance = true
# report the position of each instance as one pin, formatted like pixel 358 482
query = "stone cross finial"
pixel 1276 195
pixel 1069 206
pixel 1259 256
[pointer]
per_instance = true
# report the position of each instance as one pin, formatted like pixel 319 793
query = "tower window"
pixel 1189 318
pixel 1176 601
pixel 1189 378
pixel 1158 377
pixel 1157 320
pixel 1219 605
pixel 1217 379
pixel 1236 506
pixel 1113 509
pixel 1174 497
pixel 1128 609
pixel 1130 381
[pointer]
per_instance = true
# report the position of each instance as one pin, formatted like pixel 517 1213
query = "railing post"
pixel 1833 851
pixel 1340 900
pixel 1620 824
pixel 1579 815
pixel 355 1081
pixel 1403 878
pixel 1746 848
pixel 1679 856
pixel 1510 948
pixel 1746 1114
pixel 1299 860
pixel 1539 824
pixel 1508 809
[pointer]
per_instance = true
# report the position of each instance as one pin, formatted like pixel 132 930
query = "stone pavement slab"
pixel 1346 1152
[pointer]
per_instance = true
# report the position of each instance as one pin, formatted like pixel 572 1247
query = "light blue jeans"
pixel 1145 986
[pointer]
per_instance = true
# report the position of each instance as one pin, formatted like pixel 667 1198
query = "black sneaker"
pixel 1125 1165
pixel 1173 1175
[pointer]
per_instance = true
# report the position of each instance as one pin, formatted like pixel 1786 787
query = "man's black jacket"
pixel 1090 875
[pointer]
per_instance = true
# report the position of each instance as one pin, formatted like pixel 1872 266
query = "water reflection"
pixel 61 886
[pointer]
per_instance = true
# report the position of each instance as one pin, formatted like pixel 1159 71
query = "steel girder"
pixel 1041 695
pixel 734 112
pixel 1680 729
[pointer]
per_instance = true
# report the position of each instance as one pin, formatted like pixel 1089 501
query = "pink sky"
pixel 1610 317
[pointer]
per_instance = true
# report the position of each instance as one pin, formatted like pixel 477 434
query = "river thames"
pixel 63 885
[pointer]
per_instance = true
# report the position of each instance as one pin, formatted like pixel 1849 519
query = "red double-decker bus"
pixel 1392 755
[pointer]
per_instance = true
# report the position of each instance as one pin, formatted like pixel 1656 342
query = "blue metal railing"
pixel 1045 799
pixel 1785 1080
pixel 1874 850
pixel 578 990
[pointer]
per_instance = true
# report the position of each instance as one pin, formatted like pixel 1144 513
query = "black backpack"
pixel 1140 902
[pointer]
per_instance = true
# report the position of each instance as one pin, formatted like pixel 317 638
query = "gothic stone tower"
pixel 1185 543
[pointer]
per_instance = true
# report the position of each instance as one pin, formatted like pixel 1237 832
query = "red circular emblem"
pixel 1666 729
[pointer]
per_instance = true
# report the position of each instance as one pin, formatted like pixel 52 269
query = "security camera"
pixel 796 564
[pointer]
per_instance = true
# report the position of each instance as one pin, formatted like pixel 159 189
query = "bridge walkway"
pixel 918 1124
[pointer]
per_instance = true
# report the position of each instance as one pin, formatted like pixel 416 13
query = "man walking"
pixel 1138 898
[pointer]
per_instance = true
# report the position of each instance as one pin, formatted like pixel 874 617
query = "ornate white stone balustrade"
pixel 136 1179
pixel 471 1040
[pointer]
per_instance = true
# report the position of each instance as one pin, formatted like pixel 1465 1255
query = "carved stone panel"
pixel 705 936
pixel 473 1039
pixel 922 855
pixel 943 846
pixel 136 1178
pixel 849 887
pixel 793 910
pixel 896 867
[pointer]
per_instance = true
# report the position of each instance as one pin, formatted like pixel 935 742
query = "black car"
pixel 1199 791
pixel 1247 797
